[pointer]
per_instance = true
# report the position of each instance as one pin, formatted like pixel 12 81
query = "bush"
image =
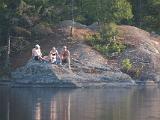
pixel 80 19
pixel 115 47
pixel 126 64
pixel 96 43
pixel 108 32
pixel 93 39
pixel 105 48
pixel 101 48
pixel 45 53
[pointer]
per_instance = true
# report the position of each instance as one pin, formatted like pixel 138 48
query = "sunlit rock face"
pixel 144 52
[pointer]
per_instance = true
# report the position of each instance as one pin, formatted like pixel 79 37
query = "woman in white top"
pixel 36 53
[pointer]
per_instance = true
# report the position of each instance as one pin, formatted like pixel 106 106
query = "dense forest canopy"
pixel 146 14
pixel 20 16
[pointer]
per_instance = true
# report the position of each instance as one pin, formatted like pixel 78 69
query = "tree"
pixel 152 16
pixel 146 14
pixel 107 10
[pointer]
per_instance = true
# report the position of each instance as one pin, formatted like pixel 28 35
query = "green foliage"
pixel 80 19
pixel 101 48
pixel 45 53
pixel 104 47
pixel 2 5
pixel 135 73
pixel 138 72
pixel 126 64
pixel 107 36
pixel 122 10
pixel 95 41
pixel 153 13
pixel 107 10
pixel 108 31
pixel 146 14
pixel 108 13
pixel 115 47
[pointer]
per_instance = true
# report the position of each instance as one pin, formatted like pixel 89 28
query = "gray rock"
pixel 87 71
pixel 144 53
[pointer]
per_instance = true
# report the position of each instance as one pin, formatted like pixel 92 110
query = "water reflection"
pixel 80 104
pixel 53 107
pixel 38 111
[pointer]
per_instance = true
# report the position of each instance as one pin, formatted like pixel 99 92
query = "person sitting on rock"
pixel 54 56
pixel 65 56
pixel 36 53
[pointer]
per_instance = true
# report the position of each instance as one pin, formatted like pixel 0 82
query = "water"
pixel 80 104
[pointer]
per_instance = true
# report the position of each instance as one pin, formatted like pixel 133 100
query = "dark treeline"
pixel 19 17
pixel 146 14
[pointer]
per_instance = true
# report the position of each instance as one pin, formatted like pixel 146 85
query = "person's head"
pixel 37 46
pixel 53 48
pixel 64 47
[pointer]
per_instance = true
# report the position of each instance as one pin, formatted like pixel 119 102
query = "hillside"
pixel 143 50
pixel 28 22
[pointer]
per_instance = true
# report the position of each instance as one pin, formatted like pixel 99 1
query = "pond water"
pixel 80 104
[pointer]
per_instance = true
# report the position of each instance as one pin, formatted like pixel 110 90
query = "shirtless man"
pixel 65 56
pixel 36 53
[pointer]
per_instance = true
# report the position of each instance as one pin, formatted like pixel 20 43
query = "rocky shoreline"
pixel 88 67
pixel 86 71
pixel 46 74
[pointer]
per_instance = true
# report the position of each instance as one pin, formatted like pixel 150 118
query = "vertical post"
pixel 140 13
pixel 8 107
pixel 7 66
pixel 9 47
pixel 81 5
pixel 69 107
pixel 72 26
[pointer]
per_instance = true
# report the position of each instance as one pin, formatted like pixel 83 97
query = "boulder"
pixel 95 26
pixel 144 52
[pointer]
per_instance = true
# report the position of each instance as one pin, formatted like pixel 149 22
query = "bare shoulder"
pixel 33 49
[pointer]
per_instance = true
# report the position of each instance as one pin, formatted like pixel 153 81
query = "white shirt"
pixel 36 52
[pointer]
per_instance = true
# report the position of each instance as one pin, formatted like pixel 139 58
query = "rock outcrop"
pixel 144 52
pixel 88 70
